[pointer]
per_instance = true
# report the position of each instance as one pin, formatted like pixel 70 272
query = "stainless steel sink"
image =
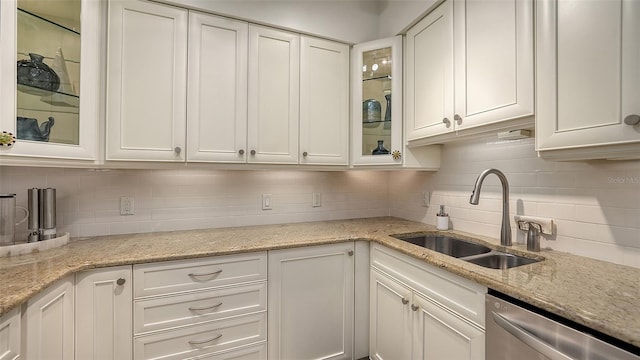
pixel 446 245
pixel 498 260
pixel 465 250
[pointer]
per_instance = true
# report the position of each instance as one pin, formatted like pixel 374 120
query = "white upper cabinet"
pixel 470 70
pixel 588 79
pixel 54 51
pixel 324 102
pixel 376 75
pixel 274 87
pixel 217 89
pixel 147 71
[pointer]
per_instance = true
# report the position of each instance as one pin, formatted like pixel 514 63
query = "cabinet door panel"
pixel 48 323
pixel 324 102
pixel 493 61
pixel 217 89
pixel 439 334
pixel 311 303
pixel 10 335
pixel 582 103
pixel 103 314
pixel 146 105
pixel 430 60
pixel 274 73
pixel 390 320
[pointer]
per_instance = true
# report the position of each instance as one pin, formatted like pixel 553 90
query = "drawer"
pixel 460 295
pixel 164 312
pixel 202 339
pixel 184 275
pixel 256 352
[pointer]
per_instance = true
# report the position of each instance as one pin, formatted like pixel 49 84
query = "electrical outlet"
pixel 426 199
pixel 266 202
pixel 127 205
pixel 317 200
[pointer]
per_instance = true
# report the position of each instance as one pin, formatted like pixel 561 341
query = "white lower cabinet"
pixel 10 335
pixel 421 312
pixel 311 302
pixel 103 314
pixel 210 308
pixel 48 323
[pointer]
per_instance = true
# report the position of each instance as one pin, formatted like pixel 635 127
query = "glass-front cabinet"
pixel 377 85
pixel 49 79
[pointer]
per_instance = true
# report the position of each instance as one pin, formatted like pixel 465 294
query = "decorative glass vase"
pixel 380 150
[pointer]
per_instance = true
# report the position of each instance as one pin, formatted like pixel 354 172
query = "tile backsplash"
pixel 595 205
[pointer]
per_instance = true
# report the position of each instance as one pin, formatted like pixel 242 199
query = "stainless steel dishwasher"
pixel 516 332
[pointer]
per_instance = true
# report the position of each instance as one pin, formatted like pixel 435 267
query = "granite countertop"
pixel 597 294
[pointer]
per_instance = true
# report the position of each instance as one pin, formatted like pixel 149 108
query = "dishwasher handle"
pixel 528 338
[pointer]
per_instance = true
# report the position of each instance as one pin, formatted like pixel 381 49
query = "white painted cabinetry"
pixel 211 307
pixel 217 89
pixel 421 312
pixel 588 79
pixel 147 74
pixel 311 302
pixel 469 69
pixel 10 335
pixel 48 323
pixel 274 87
pixel 103 314
pixel 324 102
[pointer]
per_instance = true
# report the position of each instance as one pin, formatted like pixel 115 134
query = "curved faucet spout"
pixel 505 231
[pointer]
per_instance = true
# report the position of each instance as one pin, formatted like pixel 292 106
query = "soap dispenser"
pixel 442 219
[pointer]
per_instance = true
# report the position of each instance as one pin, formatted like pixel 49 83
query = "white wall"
pixel 88 201
pixel 596 205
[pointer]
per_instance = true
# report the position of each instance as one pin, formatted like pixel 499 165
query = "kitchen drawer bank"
pixel 606 299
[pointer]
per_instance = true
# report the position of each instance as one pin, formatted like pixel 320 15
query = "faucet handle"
pixel 523 225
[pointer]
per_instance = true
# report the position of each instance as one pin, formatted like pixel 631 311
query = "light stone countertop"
pixel 601 295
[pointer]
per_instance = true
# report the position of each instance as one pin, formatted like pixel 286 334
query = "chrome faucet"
pixel 505 231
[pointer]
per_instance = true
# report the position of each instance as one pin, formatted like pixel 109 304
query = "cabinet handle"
pixel 632 119
pixel 405 301
pixel 415 307
pixel 178 150
pixel 241 151
pixel 305 154
pixel 200 342
pixel 458 119
pixel 253 152
pixel 200 308
pixel 206 274
pixel 350 252
pixel 120 281
pixel 447 122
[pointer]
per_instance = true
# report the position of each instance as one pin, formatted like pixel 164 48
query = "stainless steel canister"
pixel 47 213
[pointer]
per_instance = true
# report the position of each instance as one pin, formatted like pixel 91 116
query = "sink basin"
pixel 466 250
pixel 500 261
pixel 446 245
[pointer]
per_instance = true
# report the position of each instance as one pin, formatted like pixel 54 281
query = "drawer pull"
pixel 200 308
pixel 206 274
pixel 405 301
pixel 200 342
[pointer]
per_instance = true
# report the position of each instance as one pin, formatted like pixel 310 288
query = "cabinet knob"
pixel 121 281
pixel 458 119
pixel 305 154
pixel 414 307
pixel 405 301
pixel 178 150
pixel 253 152
pixel 632 120
pixel 241 151
pixel 350 252
pixel 447 122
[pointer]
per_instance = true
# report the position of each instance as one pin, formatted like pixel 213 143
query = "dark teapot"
pixel 28 129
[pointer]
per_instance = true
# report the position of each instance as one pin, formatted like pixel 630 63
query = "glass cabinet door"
pixel 377 90
pixel 50 77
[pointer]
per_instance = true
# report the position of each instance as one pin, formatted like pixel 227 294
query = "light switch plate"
pixel 127 205
pixel 266 202
pixel 317 200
